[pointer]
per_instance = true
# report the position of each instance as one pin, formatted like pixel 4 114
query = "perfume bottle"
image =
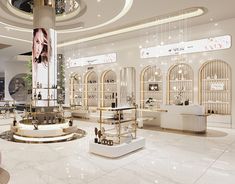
pixel 14 122
pixel 33 120
pixel 116 100
pixel 49 121
pixel 39 96
pixel 45 120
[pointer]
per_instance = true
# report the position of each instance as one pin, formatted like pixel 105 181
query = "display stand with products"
pixel 91 89
pixel 44 96
pixel 215 87
pixel 151 87
pixel 44 124
pixel 76 90
pixel 180 84
pixel 108 88
pixel 215 92
pixel 117 135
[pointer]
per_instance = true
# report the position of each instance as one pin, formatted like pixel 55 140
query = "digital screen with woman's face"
pixel 40 45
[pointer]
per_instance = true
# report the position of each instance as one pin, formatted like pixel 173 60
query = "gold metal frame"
pixel 72 87
pixel 224 72
pixel 102 82
pixel 191 77
pixel 142 81
pixel 86 90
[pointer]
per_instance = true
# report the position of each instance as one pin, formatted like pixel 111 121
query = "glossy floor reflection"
pixel 168 158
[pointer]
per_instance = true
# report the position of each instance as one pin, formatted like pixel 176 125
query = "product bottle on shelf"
pixel 116 100
pixel 39 96
pixel 38 85
pixel 49 121
pixel 45 120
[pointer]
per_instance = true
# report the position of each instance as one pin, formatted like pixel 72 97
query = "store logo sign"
pixel 94 60
pixel 203 45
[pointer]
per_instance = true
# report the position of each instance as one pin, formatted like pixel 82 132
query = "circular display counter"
pixel 42 133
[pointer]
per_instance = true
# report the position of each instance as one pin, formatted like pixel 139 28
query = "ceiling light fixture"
pixel 188 13
pixel 18 39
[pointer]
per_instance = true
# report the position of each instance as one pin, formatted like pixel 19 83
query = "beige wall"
pixel 128 55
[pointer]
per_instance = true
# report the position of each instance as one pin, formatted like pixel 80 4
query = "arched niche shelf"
pixel 76 90
pixel 108 88
pixel 215 84
pixel 91 89
pixel 180 84
pixel 151 87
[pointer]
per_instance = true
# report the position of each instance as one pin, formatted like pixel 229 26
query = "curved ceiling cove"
pixel 84 16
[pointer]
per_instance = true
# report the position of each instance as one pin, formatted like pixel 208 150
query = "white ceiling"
pixel 141 10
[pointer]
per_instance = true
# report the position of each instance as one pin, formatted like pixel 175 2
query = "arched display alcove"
pixel 215 87
pixel 108 88
pixel 180 84
pixel 151 87
pixel 76 90
pixel 91 89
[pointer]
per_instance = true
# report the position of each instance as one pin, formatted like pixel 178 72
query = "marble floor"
pixel 168 158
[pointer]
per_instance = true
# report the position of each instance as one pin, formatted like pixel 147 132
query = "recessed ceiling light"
pixel 216 24
pixel 98 1
pixel 98 15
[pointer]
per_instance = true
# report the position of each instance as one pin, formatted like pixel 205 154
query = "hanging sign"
pixel 203 45
pixel 94 60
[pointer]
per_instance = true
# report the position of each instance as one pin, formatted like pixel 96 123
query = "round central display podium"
pixel 44 127
pixel 43 133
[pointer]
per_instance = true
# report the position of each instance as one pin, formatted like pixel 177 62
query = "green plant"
pixel 28 77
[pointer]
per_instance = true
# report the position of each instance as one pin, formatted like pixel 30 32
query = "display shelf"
pixel 151 88
pixel 112 121
pixel 91 89
pixel 181 80
pixel 76 90
pixel 108 89
pixel 180 84
pixel 216 102
pixel 45 88
pixel 146 82
pixel 120 139
pixel 215 79
pixel 215 87
pixel 119 119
